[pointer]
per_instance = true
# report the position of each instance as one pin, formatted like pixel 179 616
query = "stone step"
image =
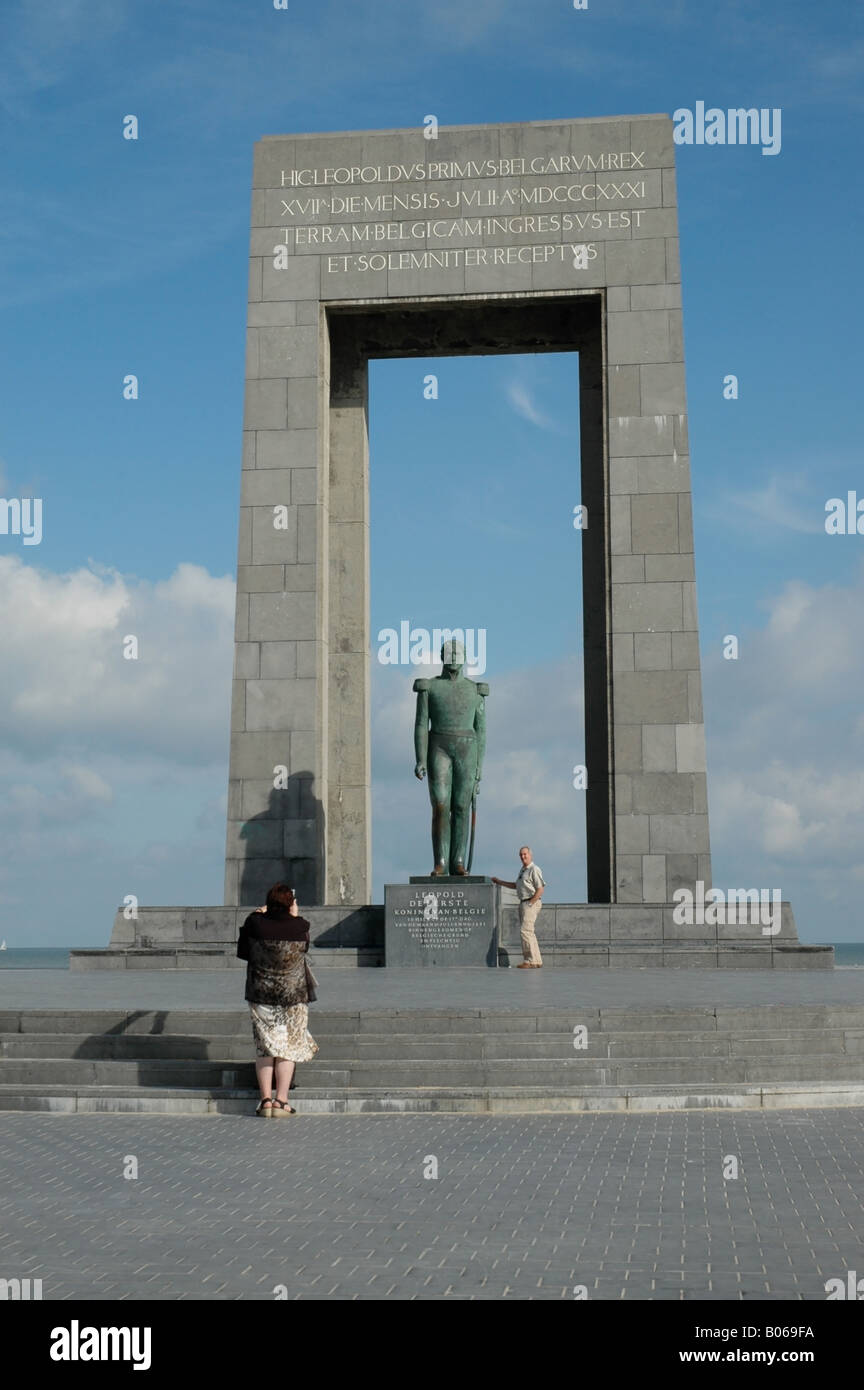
pixel 409 1073
pixel 203 1023
pixel 517 1071
pixel 758 1070
pixel 636 956
pixel 523 1100
pixel 237 1047
pixel 346 957
pixel 618 1045
pixel 763 1021
pixel 210 956
pixel 127 1047
pixel 65 1071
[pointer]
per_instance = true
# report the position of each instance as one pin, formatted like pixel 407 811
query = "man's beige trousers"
pixel 527 918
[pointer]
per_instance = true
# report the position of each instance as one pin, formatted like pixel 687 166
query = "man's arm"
pixel 480 727
pixel 421 728
pixel 503 883
pixel 539 887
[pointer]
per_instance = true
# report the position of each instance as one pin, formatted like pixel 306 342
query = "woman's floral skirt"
pixel 282 1032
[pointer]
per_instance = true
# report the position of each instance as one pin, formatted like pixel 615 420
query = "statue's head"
pixel 453 655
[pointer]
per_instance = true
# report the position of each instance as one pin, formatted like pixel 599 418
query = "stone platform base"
pixel 647 936
pixel 205 938
pixel 570 935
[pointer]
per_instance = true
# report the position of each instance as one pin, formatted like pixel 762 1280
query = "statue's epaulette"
pixel 482 688
pixel 420 685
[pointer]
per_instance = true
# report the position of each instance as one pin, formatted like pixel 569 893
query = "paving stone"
pixel 633 1207
pixel 505 989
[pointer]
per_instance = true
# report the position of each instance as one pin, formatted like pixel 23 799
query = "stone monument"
pixel 545 236
pixel 539 237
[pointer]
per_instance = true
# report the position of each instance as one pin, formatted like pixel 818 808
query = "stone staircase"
pixel 471 1061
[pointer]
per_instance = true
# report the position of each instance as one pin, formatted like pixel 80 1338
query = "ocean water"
pixel 35 958
pixel 848 955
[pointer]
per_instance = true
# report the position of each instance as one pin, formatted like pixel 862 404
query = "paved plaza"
pixel 630 1207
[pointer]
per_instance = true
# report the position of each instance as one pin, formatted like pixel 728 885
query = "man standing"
pixel 450 734
pixel 529 885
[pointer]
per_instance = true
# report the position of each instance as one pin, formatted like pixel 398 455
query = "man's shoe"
pixel 526 965
pixel 459 869
pixel 438 872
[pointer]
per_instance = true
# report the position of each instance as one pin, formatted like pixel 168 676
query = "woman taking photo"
pixel 273 941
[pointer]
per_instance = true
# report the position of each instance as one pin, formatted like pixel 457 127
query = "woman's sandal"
pixel 281 1107
pixel 265 1108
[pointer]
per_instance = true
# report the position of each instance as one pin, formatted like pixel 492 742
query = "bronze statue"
pixel 450 733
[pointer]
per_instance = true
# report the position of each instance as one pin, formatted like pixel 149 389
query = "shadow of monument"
pixel 120 1043
pixel 361 927
pixel 285 843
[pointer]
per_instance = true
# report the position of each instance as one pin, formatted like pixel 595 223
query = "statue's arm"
pixel 421 728
pixel 480 726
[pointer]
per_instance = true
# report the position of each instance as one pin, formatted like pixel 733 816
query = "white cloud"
pixel 840 64
pixel 101 247
pixel 44 43
pixel 786 756
pixel 782 502
pixel 112 773
pixel 523 403
pixel 66 682
pixel 87 782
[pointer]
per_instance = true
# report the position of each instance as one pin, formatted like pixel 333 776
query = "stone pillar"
pixel 276 822
pixel 348 866
pixel 661 810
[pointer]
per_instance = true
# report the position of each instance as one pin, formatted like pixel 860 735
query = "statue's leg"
pixel 464 775
pixel 440 773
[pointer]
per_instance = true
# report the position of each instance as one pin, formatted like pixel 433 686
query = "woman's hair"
pixel 279 900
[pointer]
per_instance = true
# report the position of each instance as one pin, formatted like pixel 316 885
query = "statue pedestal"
pixel 441 922
pixel 449 879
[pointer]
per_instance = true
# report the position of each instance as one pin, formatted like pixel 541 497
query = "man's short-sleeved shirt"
pixel 529 880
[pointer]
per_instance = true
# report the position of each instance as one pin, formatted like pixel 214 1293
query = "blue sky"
pixel 120 256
